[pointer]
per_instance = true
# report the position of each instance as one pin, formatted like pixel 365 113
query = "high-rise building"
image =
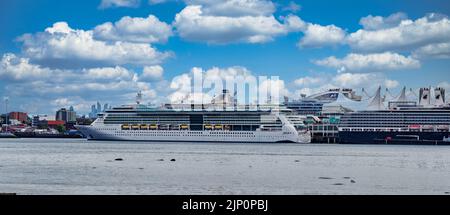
pixel 66 115
pixel 99 107
pixel 35 121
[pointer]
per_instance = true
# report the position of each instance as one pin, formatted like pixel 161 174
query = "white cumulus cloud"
pixel 62 46
pixel 16 68
pixel 215 79
pixel 118 3
pixel 135 29
pixel 235 8
pixel 293 7
pixel 152 73
pixel 435 50
pixel 363 80
pixel 356 81
pixel 407 35
pixel 109 73
pixel 35 87
pixel 194 24
pixel 318 36
pixel 370 62
pixel 378 22
pixel 308 81
pixel 424 37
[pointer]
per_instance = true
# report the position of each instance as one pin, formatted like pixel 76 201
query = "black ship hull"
pixel 403 138
pixel 39 135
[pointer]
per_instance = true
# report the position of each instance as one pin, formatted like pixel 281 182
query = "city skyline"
pixel 74 53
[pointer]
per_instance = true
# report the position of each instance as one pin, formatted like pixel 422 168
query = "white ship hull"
pixel 114 132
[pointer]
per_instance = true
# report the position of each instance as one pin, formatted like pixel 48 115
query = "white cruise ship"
pixel 143 123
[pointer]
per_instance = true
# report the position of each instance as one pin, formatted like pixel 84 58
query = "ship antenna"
pixel 139 97
pixel 6 99
pixel 235 100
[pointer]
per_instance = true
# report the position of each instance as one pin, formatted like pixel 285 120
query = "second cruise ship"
pixel 404 122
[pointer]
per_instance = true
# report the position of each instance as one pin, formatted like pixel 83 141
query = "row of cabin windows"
pixel 197 133
pixel 172 135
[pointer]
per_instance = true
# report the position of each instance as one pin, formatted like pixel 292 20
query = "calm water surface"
pixel 75 166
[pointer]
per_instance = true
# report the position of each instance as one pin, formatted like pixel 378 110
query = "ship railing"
pixel 395 129
pixel 271 127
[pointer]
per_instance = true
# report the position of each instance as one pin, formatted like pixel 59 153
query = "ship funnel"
pixel 439 96
pixel 424 96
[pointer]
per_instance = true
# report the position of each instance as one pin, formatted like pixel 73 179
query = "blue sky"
pixel 311 45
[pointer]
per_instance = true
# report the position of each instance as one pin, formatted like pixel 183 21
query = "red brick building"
pixel 19 116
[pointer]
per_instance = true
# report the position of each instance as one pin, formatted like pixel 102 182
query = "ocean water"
pixel 76 166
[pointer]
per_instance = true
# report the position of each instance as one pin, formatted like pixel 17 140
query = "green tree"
pixel 61 128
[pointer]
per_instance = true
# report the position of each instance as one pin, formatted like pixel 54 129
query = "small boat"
pixel 7 135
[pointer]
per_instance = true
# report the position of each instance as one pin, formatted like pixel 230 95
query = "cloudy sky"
pixel 60 53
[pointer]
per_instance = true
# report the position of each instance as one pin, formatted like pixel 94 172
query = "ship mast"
pixel 6 99
pixel 139 97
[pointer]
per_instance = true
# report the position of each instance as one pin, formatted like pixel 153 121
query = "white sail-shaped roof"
pixel 344 104
pixel 377 102
pixel 388 96
pixel 402 97
pixel 412 96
